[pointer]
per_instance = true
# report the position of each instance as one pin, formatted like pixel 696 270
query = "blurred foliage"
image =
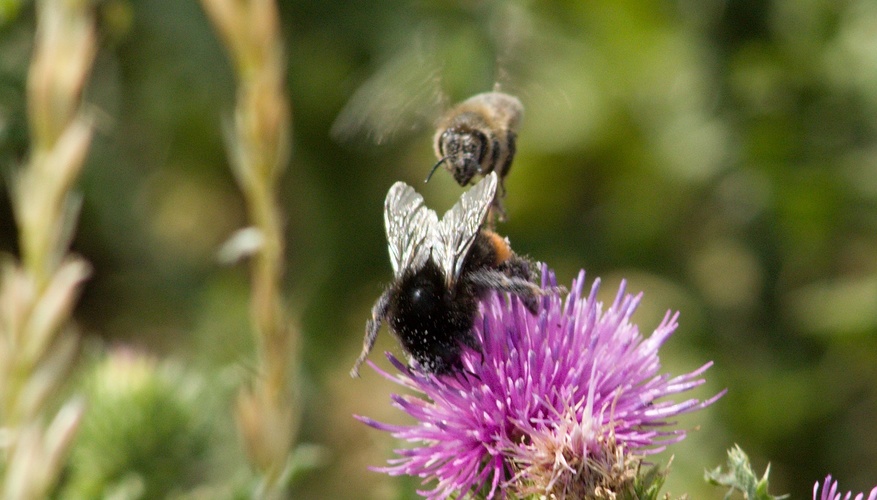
pixel 143 436
pixel 721 156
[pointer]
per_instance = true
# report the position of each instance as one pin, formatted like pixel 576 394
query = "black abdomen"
pixel 432 323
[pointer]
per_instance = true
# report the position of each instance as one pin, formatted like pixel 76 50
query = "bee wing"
pixel 409 225
pixel 459 227
pixel 403 96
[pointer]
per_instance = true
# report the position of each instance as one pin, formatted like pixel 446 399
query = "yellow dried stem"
pixel 37 347
pixel 63 55
pixel 56 303
pixel 258 145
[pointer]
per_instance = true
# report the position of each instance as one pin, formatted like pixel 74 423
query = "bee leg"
pixel 497 211
pixel 527 291
pixel 503 170
pixel 372 327
pixel 522 267
pixel 519 267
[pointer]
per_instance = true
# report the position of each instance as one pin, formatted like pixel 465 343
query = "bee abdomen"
pixel 506 165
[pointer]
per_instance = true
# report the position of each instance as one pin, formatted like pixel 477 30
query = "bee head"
pixel 462 151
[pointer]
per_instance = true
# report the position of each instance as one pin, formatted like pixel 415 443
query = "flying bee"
pixel 441 268
pixel 477 137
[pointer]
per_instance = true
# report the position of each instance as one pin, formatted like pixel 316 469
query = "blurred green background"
pixel 719 155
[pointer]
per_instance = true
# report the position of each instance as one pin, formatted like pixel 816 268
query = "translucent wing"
pixel 403 96
pixel 409 226
pixel 459 227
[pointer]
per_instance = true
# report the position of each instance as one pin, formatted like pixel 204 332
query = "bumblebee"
pixel 477 137
pixel 441 268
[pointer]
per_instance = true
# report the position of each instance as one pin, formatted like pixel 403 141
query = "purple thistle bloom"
pixel 559 402
pixel 829 492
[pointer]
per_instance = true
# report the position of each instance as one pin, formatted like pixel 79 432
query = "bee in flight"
pixel 473 138
pixel 477 137
pixel 441 268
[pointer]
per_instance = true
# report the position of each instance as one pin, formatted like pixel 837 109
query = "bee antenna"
pixel 434 167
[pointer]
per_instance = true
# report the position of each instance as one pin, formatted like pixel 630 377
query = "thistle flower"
pixel 564 403
pixel 829 492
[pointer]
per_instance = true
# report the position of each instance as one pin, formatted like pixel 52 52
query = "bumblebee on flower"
pixel 564 402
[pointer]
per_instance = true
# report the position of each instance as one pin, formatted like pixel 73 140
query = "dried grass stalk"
pixel 37 294
pixel 258 143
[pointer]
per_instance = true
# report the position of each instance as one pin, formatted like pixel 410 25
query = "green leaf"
pixel 740 477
